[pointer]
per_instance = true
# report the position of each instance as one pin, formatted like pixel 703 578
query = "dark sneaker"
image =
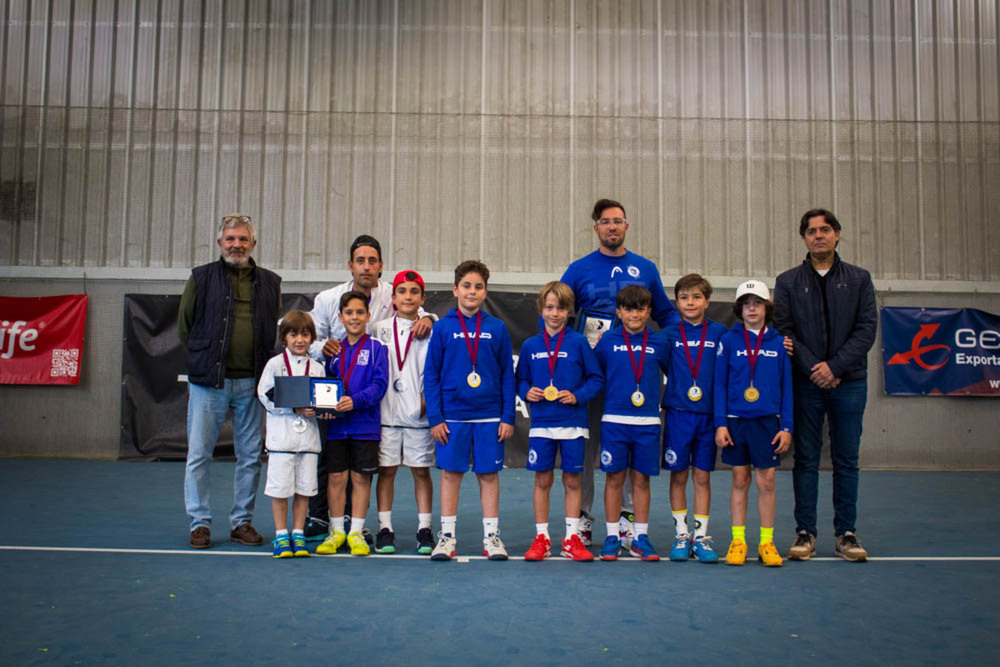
pixel 385 542
pixel 586 530
pixel 803 548
pixel 245 534
pixel 316 530
pixel 201 538
pixel 425 541
pixel 850 549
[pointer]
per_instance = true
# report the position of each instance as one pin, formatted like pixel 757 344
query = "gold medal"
pixel 694 393
pixel 551 393
pixel 473 379
pixel 637 398
pixel 751 394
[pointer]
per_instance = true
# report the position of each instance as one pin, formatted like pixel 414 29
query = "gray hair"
pixel 231 220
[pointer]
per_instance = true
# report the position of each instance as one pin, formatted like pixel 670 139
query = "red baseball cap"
pixel 407 276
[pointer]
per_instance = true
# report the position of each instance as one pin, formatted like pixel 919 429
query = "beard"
pixel 236 260
pixel 613 245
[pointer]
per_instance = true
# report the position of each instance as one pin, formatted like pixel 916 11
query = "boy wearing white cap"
pixel 753 414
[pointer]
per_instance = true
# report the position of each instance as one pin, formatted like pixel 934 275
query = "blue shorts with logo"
pixel 542 454
pixel 688 440
pixel 475 439
pixel 752 438
pixel 626 446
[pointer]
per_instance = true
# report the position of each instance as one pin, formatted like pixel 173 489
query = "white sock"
pixel 572 526
pixel 297 531
pixel 384 520
pixel 542 529
pixel 641 529
pixel 448 525
pixel 357 524
pixel 337 523
pixel 491 526
pixel 423 520
pixel 681 522
pixel 700 526
pixel 612 528
pixel 281 533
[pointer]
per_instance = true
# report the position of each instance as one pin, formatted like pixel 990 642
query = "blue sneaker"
pixel 282 547
pixel 681 550
pixel 612 545
pixel 703 550
pixel 643 548
pixel 299 549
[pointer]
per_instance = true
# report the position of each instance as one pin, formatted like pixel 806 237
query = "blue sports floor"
pixel 96 569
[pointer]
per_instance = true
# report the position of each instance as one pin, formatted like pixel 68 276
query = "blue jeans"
pixel 845 407
pixel 207 408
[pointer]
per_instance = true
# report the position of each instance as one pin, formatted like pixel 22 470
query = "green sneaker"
pixel 356 541
pixel 333 541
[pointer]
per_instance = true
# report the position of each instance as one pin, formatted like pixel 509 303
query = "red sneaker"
pixel 572 547
pixel 540 548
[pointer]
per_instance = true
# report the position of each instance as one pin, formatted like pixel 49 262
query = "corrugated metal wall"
pixel 454 129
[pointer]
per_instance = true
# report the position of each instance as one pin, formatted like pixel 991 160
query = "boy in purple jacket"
pixel 353 436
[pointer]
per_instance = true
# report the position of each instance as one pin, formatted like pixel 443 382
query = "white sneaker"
pixel 586 531
pixel 626 529
pixel 493 548
pixel 445 549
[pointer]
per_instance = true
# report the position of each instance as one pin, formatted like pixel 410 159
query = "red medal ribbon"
pixel 553 357
pixel 752 356
pixel 473 348
pixel 636 368
pixel 346 374
pixel 695 366
pixel 401 358
pixel 288 364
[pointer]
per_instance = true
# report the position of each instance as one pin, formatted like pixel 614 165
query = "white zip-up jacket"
pixel 402 408
pixel 281 437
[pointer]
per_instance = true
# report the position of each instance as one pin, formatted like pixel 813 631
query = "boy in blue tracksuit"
pixel 353 435
pixel 469 389
pixel 632 357
pixel 557 374
pixel 688 423
pixel 753 414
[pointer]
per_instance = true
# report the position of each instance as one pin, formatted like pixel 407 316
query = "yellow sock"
pixel 740 533
pixel 766 534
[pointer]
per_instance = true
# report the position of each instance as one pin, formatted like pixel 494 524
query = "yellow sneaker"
pixel 333 541
pixel 768 554
pixel 737 553
pixel 356 541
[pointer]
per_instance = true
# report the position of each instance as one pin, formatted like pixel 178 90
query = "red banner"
pixel 41 339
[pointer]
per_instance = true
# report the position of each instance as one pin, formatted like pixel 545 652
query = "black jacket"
pixel 849 313
pixel 211 331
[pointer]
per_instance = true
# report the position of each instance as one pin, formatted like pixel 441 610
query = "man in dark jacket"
pixel 827 307
pixel 227 322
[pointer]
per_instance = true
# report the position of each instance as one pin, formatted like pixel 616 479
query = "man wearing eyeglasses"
pixel 596 280
pixel 227 323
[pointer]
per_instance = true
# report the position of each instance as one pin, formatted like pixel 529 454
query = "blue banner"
pixel 940 352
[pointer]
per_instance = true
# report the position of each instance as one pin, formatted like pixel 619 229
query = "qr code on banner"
pixel 65 363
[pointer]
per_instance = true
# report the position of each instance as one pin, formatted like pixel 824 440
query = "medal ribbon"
pixel 694 367
pixel 288 364
pixel 553 358
pixel 346 375
pixel 636 368
pixel 752 356
pixel 473 348
pixel 401 358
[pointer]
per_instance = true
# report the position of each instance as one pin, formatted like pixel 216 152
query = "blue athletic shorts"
pixel 542 454
pixel 752 438
pixel 629 446
pixel 688 440
pixel 478 439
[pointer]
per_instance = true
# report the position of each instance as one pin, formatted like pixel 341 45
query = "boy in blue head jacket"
pixel 558 374
pixel 469 389
pixel 632 357
pixel 753 414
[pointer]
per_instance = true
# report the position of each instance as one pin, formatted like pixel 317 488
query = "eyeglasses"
pixel 607 222
pixel 236 219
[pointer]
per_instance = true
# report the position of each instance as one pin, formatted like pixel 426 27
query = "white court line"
pixel 460 559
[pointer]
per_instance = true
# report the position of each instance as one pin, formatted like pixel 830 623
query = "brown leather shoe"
pixel 245 534
pixel 201 538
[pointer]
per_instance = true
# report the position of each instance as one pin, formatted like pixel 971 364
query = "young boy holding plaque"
pixel 632 358
pixel 557 374
pixel 753 415
pixel 688 429
pixel 406 435
pixel 469 388
pixel 353 435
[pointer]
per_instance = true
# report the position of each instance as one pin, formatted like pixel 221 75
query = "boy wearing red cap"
pixel 406 435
